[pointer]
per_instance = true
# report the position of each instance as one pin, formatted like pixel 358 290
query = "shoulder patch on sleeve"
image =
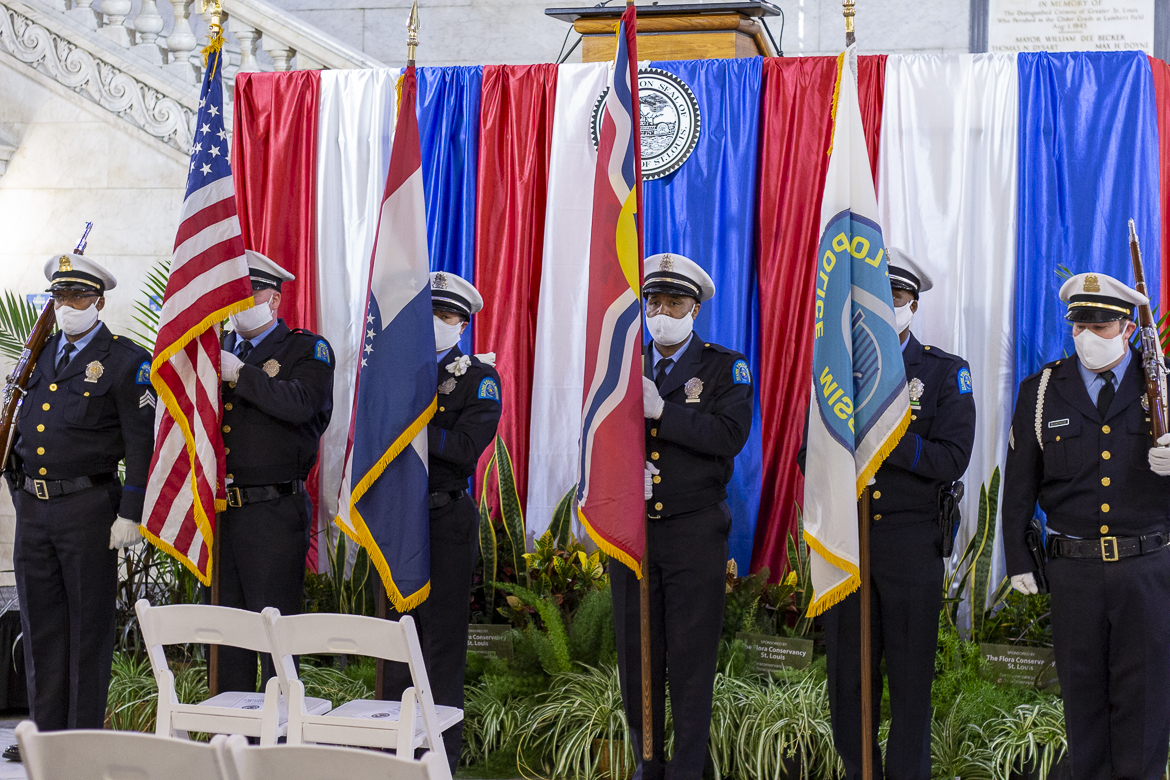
pixel 964 380
pixel 321 352
pixel 740 373
pixel 143 375
pixel 488 388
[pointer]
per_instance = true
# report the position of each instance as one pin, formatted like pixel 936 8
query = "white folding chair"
pixel 315 762
pixel 403 725
pixel 103 755
pixel 231 712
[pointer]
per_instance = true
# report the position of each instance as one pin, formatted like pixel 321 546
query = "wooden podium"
pixel 693 31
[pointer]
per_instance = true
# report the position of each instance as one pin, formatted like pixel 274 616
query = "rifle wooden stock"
pixel 18 379
pixel 1152 356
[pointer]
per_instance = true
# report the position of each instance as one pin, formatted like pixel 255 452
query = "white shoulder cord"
pixel 1040 406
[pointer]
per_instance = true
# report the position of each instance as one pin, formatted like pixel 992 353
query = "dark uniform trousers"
pixel 705 422
pixel 274 415
pixel 906 571
pixel 464 426
pixel 77 423
pixel 1110 619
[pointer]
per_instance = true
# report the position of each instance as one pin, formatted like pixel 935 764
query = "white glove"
pixel 1160 457
pixel 1025 583
pixel 652 402
pixel 651 472
pixel 487 357
pixel 229 366
pixel 124 533
pixel 460 366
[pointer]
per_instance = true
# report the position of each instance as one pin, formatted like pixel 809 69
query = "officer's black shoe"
pixel 12 753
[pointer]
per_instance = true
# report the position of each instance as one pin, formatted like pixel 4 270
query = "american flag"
pixel 610 491
pixel 208 281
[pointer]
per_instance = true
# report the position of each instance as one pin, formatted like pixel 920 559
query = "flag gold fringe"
pixel 883 452
pixel 835 595
pixel 836 94
pixel 183 559
pixel 214 46
pixel 608 547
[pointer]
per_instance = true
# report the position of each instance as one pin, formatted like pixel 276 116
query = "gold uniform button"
pixel 1105 481
pixel 913 417
pixel 232 385
pixel 86 395
pixel 442 408
pixel 658 506
pixel 41 428
pixel 1104 507
pixel 876 518
pixel 227 407
pixel 45 407
pixel 227 450
pixel 657 479
pixel 53 388
pixel 653 456
pixel 1058 439
pixel 40 450
pixel 227 429
pixel 877 494
pixel 42 472
pixel 653 431
pixel 1104 529
pixel 1105 455
pixel 926 347
pixel 1105 429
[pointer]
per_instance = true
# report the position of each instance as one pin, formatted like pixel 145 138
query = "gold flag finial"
pixel 214 27
pixel 412 28
pixel 847 10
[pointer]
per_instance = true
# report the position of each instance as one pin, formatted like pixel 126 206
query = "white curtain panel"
pixel 947 193
pixel 559 365
pixel 355 129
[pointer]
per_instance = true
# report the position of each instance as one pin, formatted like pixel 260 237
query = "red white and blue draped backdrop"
pixel 995 171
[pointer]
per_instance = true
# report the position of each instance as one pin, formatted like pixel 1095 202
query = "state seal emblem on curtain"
pixel 669 119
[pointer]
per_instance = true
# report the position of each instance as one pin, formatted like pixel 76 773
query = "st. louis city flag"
pixel 382 504
pixel 860 406
pixel 208 281
pixel 611 490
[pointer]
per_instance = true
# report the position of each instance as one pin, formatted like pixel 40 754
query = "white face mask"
pixel 902 318
pixel 446 336
pixel 1097 352
pixel 73 321
pixel 252 319
pixel 668 331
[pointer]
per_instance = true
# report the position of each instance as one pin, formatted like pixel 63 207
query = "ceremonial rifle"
pixel 1153 360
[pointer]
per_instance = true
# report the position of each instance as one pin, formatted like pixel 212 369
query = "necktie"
pixel 243 348
pixel 660 371
pixel 1105 397
pixel 66 355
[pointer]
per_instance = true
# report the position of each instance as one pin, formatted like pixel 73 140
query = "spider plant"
pixel 1031 736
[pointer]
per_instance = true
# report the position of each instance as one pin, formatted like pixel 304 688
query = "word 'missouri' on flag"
pixel 208 281
pixel 383 501
pixel 611 488
pixel 860 405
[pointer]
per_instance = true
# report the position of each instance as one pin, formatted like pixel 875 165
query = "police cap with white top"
pixel 1095 297
pixel 905 273
pixel 454 294
pixel 71 271
pixel 674 274
pixel 264 273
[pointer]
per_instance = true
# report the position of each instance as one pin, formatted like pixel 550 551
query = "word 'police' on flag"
pixel 860 405
pixel 610 490
pixel 208 281
pixel 383 499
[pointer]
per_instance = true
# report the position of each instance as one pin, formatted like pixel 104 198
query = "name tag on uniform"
pixel 1058 423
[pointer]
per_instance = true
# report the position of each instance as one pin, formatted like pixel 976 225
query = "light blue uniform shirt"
pixel 655 355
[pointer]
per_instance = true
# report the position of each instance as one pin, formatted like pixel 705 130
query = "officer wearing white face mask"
pixel 463 427
pixel 1080 446
pixel 89 405
pixel 277 402
pixel 697 399
pixel 906 544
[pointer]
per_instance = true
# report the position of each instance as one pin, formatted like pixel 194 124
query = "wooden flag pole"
pixel 213 653
pixel 866 641
pixel 381 608
pixel 647 691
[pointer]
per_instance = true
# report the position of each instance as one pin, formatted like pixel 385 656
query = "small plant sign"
pixel 774 653
pixel 1027 667
pixel 491 641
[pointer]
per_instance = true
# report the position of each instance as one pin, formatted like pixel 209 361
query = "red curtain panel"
pixel 515 138
pixel 795 128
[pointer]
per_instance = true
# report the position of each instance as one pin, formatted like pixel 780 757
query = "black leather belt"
pixel 238 496
pixel 45 489
pixel 1107 548
pixel 443 497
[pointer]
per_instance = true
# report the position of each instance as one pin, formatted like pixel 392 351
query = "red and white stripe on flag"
pixel 208 281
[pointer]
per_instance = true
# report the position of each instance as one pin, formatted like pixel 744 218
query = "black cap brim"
pixel 669 287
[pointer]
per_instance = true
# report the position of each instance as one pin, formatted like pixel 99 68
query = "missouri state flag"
pixel 382 503
pixel 860 405
pixel 611 489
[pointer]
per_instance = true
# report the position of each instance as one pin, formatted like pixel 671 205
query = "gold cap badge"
pixel 65 264
pixel 1092 285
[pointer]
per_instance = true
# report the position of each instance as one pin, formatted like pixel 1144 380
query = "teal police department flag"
pixel 860 406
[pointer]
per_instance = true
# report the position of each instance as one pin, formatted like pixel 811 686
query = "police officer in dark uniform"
pixel 697 398
pixel 89 405
pixel 277 401
pixel 462 428
pixel 905 552
pixel 1080 445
